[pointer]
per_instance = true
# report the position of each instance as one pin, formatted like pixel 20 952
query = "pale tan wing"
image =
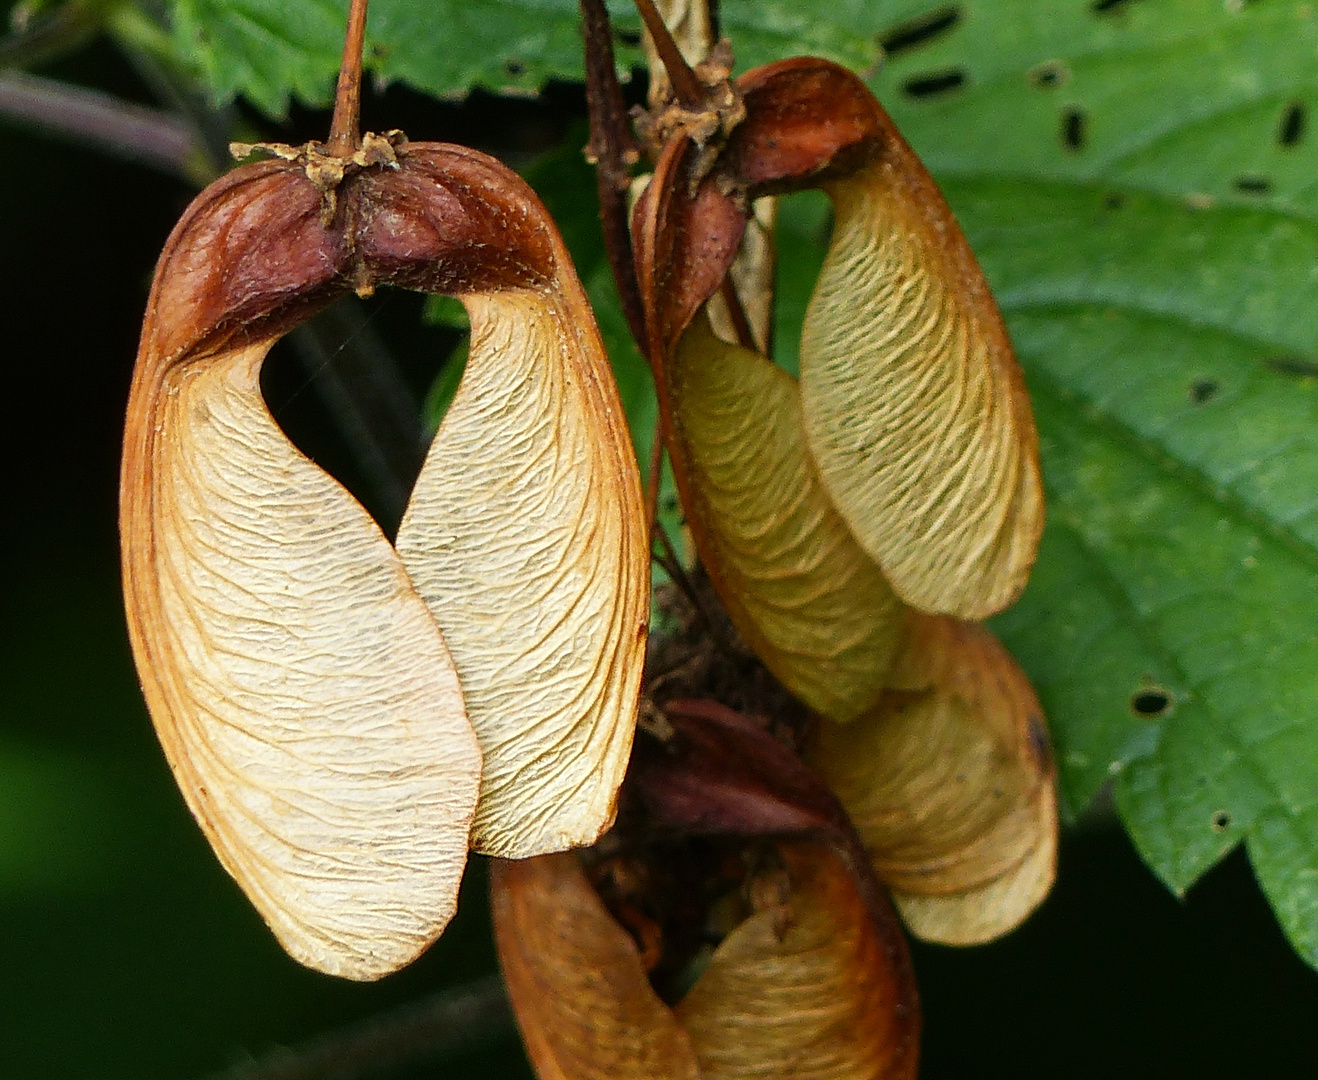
pixel 808 992
pixel 945 779
pixel 525 535
pixel 752 273
pixel 986 913
pixel 583 1002
pixel 812 604
pixel 914 406
pixel 303 695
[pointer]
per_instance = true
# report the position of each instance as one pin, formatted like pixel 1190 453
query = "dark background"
pixel 125 951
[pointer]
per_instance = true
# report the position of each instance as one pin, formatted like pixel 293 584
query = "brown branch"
pixel 345 128
pixel 691 93
pixel 443 1025
pixel 613 149
pixel 133 132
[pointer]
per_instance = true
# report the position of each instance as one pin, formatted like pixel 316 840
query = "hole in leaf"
pixel 1073 129
pixel 1221 821
pixel 1253 184
pixel 1203 391
pixel 1050 74
pixel 1295 366
pixel 1150 703
pixel 935 83
pixel 920 30
pixel 514 67
pixel 1293 122
pixel 1109 7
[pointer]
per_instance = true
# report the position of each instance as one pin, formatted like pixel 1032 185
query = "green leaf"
pixel 274 50
pixel 1138 183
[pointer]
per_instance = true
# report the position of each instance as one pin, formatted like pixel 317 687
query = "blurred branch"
pixel 145 44
pixel 134 132
pixel 613 149
pixel 443 1025
pixel 49 36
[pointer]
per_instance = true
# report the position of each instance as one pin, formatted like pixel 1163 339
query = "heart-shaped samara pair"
pixel 347 717
pixel 856 522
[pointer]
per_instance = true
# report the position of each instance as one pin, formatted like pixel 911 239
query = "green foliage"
pixel 274 50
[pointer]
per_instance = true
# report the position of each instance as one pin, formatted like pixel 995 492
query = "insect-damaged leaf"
pixel 805 986
pixel 949 782
pixel 300 687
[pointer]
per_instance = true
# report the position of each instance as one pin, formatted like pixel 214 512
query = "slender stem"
pixel 134 132
pixel 441 1026
pixel 686 85
pixel 654 479
pixel 614 148
pixel 672 566
pixel 667 561
pixel 138 39
pixel 345 129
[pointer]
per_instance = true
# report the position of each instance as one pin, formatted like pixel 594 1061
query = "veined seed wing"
pixel 526 536
pixel 950 783
pixel 583 1002
pixel 302 693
